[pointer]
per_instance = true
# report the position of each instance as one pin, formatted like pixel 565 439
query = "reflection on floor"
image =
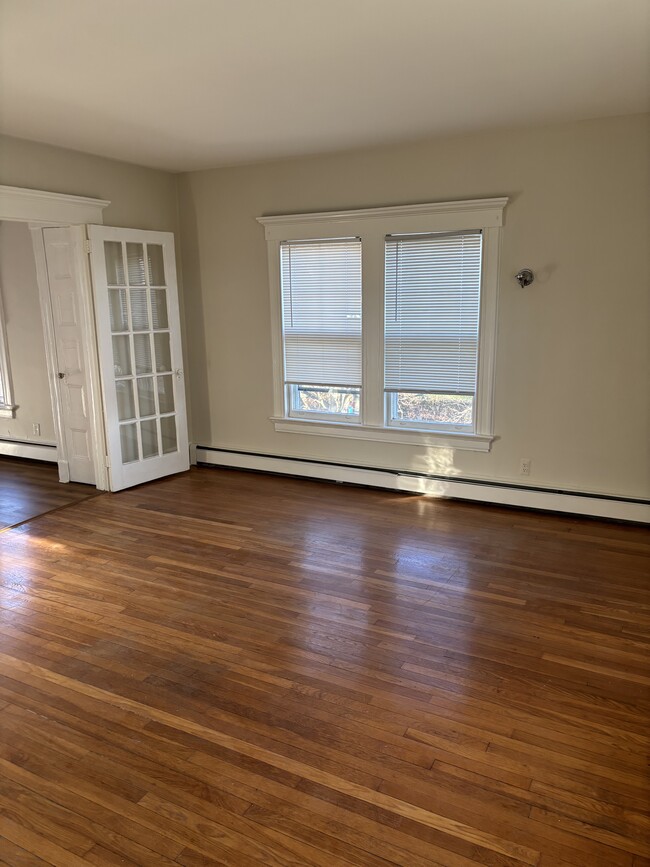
pixel 30 488
pixel 223 668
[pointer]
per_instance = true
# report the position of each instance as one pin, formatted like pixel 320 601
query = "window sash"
pixel 432 306
pixel 321 311
pixel 292 391
pixel 421 424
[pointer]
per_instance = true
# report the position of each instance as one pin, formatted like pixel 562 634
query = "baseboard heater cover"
pixel 498 493
pixel 31 450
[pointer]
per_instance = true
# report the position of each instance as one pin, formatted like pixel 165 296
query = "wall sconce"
pixel 524 277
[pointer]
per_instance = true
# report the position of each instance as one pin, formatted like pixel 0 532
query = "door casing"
pixel 42 209
pixel 77 237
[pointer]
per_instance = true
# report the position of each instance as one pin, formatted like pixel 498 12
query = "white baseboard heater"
pixel 32 451
pixel 499 493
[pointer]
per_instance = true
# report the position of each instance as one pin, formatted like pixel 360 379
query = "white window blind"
pixel 321 311
pixel 432 312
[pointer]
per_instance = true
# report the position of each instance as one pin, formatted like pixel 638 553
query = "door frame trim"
pixel 42 209
pixel 22 205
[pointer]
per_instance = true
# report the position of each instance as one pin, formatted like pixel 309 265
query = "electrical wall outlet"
pixel 36 430
pixel 524 466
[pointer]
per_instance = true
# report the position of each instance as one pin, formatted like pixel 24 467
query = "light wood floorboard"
pixel 31 488
pixel 224 668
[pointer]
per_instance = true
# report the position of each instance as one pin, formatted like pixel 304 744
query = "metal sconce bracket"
pixel 524 277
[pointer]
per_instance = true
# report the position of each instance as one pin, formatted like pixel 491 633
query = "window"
pixel 7 409
pixel 432 294
pixel 321 327
pixel 385 321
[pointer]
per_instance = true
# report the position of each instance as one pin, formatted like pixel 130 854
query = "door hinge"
pixel 88 246
pixel 107 462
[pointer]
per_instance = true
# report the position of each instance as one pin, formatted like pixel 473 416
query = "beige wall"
pixel 140 198
pixel 25 342
pixel 571 389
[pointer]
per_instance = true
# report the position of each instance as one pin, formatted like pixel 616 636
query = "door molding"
pixel 42 279
pixel 20 204
pixel 95 410
pixel 41 209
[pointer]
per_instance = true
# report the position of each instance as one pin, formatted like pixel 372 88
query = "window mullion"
pixel 372 271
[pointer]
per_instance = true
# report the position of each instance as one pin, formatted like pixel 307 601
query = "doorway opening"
pixel 104 317
pixel 30 464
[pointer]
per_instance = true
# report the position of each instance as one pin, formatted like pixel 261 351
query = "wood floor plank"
pixel 31 488
pixel 224 668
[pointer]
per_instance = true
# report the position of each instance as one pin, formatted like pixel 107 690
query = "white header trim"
pixel 41 206
pixel 435 216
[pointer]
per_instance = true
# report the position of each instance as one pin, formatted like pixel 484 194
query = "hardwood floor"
pixel 224 668
pixel 31 488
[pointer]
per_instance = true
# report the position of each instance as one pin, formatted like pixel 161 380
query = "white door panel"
pixel 65 293
pixel 140 353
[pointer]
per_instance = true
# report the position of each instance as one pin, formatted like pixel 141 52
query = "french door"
pixel 140 353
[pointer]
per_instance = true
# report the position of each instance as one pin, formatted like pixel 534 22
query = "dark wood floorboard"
pixel 31 488
pixel 224 668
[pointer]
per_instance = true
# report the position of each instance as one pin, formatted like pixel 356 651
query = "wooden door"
pixel 67 318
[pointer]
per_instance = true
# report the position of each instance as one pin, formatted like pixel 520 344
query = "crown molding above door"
pixel 40 206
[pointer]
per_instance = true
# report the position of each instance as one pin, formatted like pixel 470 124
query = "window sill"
pixel 7 411
pixel 404 436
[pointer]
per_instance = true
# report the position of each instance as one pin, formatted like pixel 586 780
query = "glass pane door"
pixel 142 366
pixel 136 298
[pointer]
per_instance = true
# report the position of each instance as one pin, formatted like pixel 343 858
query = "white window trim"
pixel 7 406
pixel 372 225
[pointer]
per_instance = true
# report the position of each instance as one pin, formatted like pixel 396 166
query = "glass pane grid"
pixel 135 263
pixel 114 259
pixel 146 396
pixel 130 443
pixel 159 314
pixel 141 349
pixel 149 437
pixel 118 310
pixel 155 265
pixel 168 434
pixel 140 314
pixel 162 351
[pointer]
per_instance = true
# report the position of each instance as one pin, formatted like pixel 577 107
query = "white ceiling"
pixel 185 84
